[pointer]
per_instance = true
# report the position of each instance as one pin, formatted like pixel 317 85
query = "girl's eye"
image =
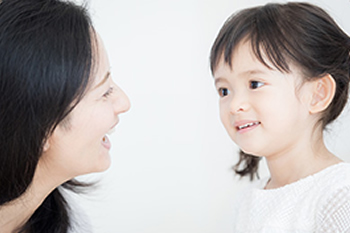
pixel 223 92
pixel 255 84
pixel 108 92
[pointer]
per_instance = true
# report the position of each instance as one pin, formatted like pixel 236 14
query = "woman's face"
pixel 79 145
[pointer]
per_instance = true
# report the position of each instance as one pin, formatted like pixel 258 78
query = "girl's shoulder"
pixel 334 181
pixel 321 201
pixel 333 178
pixel 323 183
pixel 334 200
pixel 331 182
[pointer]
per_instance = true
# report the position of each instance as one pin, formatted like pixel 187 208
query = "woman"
pixel 57 103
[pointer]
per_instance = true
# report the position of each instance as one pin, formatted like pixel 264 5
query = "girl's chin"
pixel 251 152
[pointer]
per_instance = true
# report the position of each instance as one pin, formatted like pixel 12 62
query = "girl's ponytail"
pixel 247 165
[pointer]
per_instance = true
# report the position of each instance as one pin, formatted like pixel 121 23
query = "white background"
pixel 172 158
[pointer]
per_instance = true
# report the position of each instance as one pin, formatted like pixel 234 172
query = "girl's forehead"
pixel 242 60
pixel 245 58
pixel 245 64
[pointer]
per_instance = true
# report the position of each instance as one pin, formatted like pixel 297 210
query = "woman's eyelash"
pixel 108 92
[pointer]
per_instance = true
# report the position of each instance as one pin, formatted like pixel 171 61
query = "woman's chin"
pixel 103 164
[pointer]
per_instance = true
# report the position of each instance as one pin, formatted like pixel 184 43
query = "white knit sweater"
pixel 317 203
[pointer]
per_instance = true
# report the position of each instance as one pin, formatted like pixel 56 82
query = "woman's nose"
pixel 122 102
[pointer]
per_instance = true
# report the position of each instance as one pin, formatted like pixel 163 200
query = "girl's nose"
pixel 239 103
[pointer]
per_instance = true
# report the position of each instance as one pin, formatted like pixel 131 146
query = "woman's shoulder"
pixel 79 220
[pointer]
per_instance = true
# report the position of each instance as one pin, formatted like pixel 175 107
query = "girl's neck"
pixel 298 162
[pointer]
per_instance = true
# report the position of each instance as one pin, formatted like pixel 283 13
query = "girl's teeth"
pixel 247 125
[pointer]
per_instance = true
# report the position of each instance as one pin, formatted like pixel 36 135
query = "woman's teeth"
pixel 105 139
pixel 106 143
pixel 111 131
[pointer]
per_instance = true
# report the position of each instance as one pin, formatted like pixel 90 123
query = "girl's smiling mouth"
pixel 244 126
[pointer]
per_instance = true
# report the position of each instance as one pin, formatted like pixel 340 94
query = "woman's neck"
pixel 14 214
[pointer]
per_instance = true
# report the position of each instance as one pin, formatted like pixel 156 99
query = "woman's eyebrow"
pixel 108 74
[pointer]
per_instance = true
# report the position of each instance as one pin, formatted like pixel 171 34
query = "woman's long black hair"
pixel 45 66
pixel 301 33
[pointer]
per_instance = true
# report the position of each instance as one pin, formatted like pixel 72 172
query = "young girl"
pixel 282 73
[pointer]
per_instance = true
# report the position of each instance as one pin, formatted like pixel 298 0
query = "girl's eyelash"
pixel 108 92
pixel 223 91
pixel 255 84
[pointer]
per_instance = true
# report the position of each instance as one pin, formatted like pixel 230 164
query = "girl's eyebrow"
pixel 108 74
pixel 217 80
pixel 252 72
pixel 243 73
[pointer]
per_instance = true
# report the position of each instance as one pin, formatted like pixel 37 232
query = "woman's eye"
pixel 223 92
pixel 255 84
pixel 108 92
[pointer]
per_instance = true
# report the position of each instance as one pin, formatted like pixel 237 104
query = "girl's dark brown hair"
pixel 301 33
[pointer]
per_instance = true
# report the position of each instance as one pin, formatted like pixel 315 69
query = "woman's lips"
pixel 105 140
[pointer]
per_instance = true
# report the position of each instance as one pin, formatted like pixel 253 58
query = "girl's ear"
pixel 323 93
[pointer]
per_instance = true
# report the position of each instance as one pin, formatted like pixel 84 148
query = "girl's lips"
pixel 244 126
pixel 106 143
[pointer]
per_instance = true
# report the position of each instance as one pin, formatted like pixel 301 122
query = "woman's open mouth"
pixel 106 142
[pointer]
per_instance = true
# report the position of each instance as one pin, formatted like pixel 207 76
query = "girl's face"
pixel 80 145
pixel 263 110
